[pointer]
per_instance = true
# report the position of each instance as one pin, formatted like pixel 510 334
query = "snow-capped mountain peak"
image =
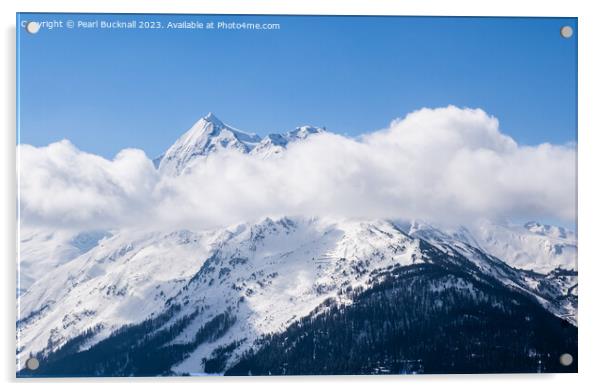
pixel 303 132
pixel 207 135
pixel 210 134
pixel 210 117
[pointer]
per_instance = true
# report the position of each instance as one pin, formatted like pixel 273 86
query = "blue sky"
pixel 106 90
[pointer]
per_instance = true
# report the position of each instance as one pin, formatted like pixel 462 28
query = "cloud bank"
pixel 447 165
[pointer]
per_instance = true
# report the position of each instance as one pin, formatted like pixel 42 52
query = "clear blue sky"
pixel 109 89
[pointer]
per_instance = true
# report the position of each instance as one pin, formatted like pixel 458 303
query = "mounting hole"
pixel 32 27
pixel 566 359
pixel 566 31
pixel 32 363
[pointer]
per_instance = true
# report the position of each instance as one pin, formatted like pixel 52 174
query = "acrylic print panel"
pixel 295 195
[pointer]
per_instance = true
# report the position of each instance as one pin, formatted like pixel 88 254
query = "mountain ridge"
pixel 220 300
pixel 297 263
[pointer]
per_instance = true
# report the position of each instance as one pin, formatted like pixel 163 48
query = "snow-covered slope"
pixel 532 246
pixel 125 279
pixel 41 251
pixel 264 275
pixel 272 272
pixel 555 290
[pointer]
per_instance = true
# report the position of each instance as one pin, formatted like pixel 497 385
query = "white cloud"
pixel 62 186
pixel 447 165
